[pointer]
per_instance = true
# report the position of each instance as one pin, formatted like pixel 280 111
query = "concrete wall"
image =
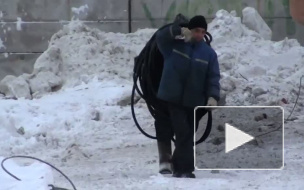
pixel 41 20
pixel 147 13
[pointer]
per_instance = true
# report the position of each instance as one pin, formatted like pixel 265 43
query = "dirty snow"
pixel 74 120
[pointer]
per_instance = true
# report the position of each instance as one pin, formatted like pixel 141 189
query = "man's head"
pixel 198 26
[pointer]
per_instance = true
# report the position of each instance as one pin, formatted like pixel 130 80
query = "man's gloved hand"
pixel 211 102
pixel 187 34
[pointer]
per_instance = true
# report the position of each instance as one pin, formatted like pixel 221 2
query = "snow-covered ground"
pixel 69 111
pixel 34 176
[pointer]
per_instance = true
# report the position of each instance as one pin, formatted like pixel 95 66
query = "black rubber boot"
pixel 183 175
pixel 165 153
pixel 188 175
pixel 177 174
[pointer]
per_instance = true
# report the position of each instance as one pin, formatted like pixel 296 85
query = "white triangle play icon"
pixel 235 138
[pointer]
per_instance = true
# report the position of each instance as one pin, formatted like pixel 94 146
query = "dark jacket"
pixel 191 71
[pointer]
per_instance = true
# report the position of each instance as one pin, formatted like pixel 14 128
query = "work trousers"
pixel 180 123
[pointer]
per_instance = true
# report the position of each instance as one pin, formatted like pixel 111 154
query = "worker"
pixel 297 10
pixel 190 78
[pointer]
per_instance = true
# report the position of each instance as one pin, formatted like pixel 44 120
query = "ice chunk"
pixel 50 60
pixel 16 87
pixel 253 20
pixel 44 82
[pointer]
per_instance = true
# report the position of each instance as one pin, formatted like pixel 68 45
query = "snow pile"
pixel 255 71
pixel 253 68
pixel 35 176
pixel 76 55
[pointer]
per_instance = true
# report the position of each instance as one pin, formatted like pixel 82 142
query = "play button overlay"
pixel 241 138
pixel 235 138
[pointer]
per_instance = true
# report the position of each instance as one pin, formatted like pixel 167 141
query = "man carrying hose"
pixel 190 78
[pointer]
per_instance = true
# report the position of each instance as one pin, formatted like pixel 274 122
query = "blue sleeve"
pixel 165 38
pixel 214 78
